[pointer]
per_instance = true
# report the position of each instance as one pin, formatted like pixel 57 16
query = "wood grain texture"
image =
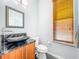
pixel 31 51
pixel 24 52
pixel 63 9
pixel 63 20
pixel 19 53
pixel 12 54
pixel 6 56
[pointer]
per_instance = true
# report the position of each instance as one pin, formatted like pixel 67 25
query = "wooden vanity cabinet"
pixel 10 55
pixel 30 51
pixel 19 53
pixel 24 52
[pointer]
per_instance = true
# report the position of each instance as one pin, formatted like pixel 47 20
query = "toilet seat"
pixel 41 48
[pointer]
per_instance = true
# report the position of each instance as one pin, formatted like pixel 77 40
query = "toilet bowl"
pixel 41 49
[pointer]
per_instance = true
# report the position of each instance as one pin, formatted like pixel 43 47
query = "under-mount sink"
pixel 15 39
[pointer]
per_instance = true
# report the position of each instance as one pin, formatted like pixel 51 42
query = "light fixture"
pixel 22 2
pixel 19 0
pixel 6 0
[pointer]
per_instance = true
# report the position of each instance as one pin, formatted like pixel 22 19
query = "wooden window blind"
pixel 63 9
pixel 63 20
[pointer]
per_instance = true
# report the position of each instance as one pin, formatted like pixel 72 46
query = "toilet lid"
pixel 42 47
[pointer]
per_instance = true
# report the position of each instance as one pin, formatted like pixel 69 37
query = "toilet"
pixel 41 49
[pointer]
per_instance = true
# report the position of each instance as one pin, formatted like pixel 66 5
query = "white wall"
pixel 3 3
pixel 30 16
pixel 46 32
pixel 38 12
pixel 78 12
pixel 78 23
pixel 45 20
pixel 32 21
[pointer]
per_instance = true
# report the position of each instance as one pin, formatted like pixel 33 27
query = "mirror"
pixel 14 18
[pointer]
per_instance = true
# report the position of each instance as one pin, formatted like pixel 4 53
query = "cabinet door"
pixel 30 51
pixel 9 55
pixel 23 52
pixel 19 53
pixel 12 54
pixel 6 56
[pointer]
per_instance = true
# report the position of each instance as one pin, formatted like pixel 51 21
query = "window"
pixel 63 21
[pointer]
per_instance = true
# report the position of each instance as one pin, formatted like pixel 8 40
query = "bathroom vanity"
pixel 25 50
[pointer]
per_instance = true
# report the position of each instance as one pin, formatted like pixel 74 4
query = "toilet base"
pixel 42 55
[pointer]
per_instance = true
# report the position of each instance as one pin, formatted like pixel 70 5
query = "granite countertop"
pixel 28 41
